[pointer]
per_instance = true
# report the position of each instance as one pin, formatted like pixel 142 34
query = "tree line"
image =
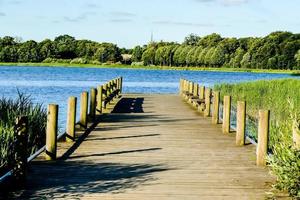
pixel 278 50
pixel 63 48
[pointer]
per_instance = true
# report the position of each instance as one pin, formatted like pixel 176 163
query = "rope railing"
pixel 100 98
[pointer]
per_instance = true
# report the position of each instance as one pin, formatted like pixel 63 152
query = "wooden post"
pixel 93 103
pixel 83 110
pixel 226 114
pixel 296 134
pixel 240 123
pixel 51 132
pixel 263 137
pixel 118 85
pixel 191 87
pixel 195 93
pixel 207 102
pixel 216 106
pixel 180 86
pixel 21 135
pixel 71 119
pixel 201 92
pixel 99 99
pixel 104 96
pixel 121 84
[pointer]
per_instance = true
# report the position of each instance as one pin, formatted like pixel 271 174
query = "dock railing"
pixel 208 103
pixel 91 104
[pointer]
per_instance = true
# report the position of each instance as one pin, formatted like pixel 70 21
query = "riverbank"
pixel 120 66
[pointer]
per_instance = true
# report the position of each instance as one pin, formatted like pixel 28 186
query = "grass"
pixel 121 66
pixel 282 98
pixel 37 117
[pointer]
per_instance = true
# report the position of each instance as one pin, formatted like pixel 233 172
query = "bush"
pixel 37 119
pixel 137 63
pixel 79 61
pixel 56 60
pixel 285 160
pixel 96 62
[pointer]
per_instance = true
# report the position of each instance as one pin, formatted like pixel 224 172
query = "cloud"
pixel 120 20
pixel 174 23
pixel 122 14
pixel 121 17
pixel 91 5
pixel 2 14
pixel 225 2
pixel 234 2
pixel 79 18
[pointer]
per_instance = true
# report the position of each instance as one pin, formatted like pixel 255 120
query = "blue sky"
pixel 130 22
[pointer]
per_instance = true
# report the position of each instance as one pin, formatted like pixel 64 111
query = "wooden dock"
pixel 150 147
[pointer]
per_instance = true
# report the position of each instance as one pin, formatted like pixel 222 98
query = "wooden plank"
pixel 160 149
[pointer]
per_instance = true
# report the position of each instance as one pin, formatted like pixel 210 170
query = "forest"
pixel 278 50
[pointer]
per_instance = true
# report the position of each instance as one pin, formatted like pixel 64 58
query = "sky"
pixel 128 23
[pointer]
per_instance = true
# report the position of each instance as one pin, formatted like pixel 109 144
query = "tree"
pixel 28 52
pixel 149 56
pixel 47 49
pixel 137 54
pixel 217 58
pixel 191 39
pixel 9 54
pixel 210 40
pixel 66 46
pixel 297 59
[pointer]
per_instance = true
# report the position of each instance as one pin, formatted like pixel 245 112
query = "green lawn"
pixel 296 72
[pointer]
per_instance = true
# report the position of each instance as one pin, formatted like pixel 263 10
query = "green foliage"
pixel 149 56
pixel 278 50
pixel 285 160
pixel 137 54
pixel 64 47
pixel 37 118
pixel 276 96
pixel 275 51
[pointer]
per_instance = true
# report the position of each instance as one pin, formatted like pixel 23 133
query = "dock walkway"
pixel 150 147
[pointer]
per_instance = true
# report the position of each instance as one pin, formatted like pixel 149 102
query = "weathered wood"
pixel 166 148
pixel 296 134
pixel 51 132
pixel 99 99
pixel 20 163
pixel 71 119
pixel 262 137
pixel 83 109
pixel 216 107
pixel 195 91
pixel 121 84
pixel 105 95
pixel 240 123
pixel 226 114
pixel 202 92
pixel 92 112
pixel 207 102
pixel 180 86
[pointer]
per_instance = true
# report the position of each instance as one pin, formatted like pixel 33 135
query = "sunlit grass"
pixel 10 109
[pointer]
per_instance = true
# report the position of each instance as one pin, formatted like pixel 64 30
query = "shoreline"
pixel 120 66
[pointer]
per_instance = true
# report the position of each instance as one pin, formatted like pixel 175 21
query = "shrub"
pixel 79 61
pixel 37 119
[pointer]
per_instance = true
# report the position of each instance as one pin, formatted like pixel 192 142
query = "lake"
pixel 55 84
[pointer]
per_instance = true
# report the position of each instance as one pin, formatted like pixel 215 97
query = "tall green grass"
pixel 282 98
pixel 10 109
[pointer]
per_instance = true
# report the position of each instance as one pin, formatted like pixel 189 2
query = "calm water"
pixel 54 85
